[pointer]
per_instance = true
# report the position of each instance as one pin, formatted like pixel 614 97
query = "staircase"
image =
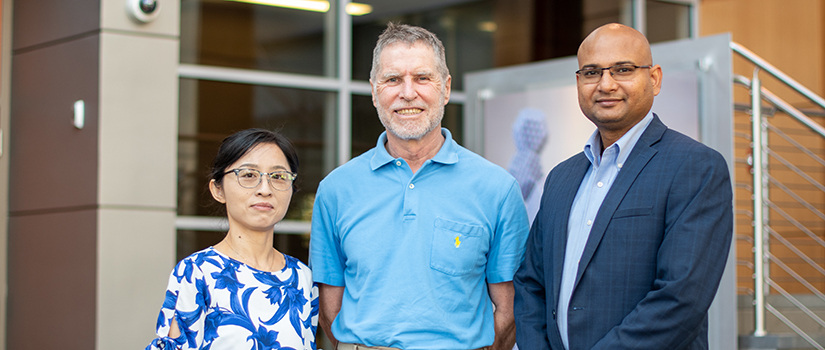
pixel 780 209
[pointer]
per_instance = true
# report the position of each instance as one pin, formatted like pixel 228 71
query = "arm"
pixel 691 258
pixel 182 309
pixel 330 303
pixel 505 325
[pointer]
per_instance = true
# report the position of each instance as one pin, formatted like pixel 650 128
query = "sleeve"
pixel 507 248
pixel 530 304
pixel 186 302
pixel 314 313
pixel 310 322
pixel 325 255
pixel 691 259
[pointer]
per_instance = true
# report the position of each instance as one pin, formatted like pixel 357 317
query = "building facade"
pixel 109 124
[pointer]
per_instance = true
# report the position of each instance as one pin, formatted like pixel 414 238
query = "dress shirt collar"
pixel 624 144
pixel 447 154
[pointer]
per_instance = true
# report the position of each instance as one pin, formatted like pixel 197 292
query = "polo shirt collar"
pixel 448 154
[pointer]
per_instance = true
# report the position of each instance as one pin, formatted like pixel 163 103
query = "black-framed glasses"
pixel 280 180
pixel 619 72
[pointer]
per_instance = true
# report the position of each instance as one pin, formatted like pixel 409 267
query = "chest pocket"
pixel 457 249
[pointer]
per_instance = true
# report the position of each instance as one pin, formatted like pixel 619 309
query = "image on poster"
pixel 511 119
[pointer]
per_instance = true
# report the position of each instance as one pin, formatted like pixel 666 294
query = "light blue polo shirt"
pixel 415 251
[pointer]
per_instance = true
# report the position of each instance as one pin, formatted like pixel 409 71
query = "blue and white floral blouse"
pixel 221 303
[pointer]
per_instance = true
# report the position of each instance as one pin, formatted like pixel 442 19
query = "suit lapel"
pixel 640 155
pixel 564 192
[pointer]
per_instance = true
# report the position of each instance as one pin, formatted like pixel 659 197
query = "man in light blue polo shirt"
pixel 415 242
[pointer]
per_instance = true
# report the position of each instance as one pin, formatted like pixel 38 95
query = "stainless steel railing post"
pixel 758 224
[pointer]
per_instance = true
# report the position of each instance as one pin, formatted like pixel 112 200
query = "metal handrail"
pixel 767 67
pixel 760 186
pixel 783 106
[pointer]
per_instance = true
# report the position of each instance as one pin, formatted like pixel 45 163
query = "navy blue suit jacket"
pixel 654 257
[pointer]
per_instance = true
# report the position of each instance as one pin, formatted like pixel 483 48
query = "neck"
pixel 252 248
pixel 415 152
pixel 609 137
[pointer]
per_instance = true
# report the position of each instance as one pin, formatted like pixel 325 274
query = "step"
pixel 778 342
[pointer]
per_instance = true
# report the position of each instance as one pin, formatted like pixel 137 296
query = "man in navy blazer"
pixel 632 236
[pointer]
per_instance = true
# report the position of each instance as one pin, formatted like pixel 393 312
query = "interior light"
pixel 354 9
pixel 487 26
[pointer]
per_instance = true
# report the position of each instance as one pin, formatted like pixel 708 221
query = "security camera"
pixel 143 11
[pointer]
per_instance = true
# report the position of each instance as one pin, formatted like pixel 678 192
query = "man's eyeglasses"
pixel 619 72
pixel 250 178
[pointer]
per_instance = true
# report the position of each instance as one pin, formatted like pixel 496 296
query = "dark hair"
pixel 238 144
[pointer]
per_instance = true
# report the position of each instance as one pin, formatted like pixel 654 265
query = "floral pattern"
pixel 220 303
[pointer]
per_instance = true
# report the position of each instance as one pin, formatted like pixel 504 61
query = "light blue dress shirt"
pixel 594 187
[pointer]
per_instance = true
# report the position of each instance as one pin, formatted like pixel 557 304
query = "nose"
pixel 407 90
pixel 607 83
pixel 264 188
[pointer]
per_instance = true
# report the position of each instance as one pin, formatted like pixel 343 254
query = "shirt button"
pixel 589 222
pixel 412 186
pixel 600 184
pixel 398 162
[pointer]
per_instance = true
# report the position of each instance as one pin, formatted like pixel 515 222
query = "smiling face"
pixel 259 208
pixel 616 106
pixel 408 91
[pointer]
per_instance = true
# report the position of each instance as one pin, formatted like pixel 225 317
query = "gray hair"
pixel 404 33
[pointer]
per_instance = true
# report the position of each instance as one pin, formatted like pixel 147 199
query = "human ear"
pixel 217 191
pixel 656 78
pixel 447 89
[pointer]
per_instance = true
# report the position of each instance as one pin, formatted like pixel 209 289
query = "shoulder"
pixel 679 145
pixel 295 263
pixel 195 267
pixel 576 161
pixel 302 271
pixel 471 161
pixel 356 166
pixel 202 257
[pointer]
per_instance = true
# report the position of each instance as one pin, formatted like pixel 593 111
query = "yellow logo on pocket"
pixel 457 242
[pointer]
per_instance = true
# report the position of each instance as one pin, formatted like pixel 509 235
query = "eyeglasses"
pixel 619 72
pixel 250 178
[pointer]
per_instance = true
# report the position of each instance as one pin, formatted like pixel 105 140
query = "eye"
pixel 247 174
pixel 591 73
pixel 624 69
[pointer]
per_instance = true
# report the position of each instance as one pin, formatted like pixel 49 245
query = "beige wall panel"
pixel 115 16
pixel 788 34
pixel 52 281
pixel 39 22
pixel 139 119
pixel 54 164
pixel 136 254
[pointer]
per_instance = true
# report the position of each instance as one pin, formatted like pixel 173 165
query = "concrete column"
pixel 92 209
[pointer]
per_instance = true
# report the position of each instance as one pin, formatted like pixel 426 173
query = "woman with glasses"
pixel 242 293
